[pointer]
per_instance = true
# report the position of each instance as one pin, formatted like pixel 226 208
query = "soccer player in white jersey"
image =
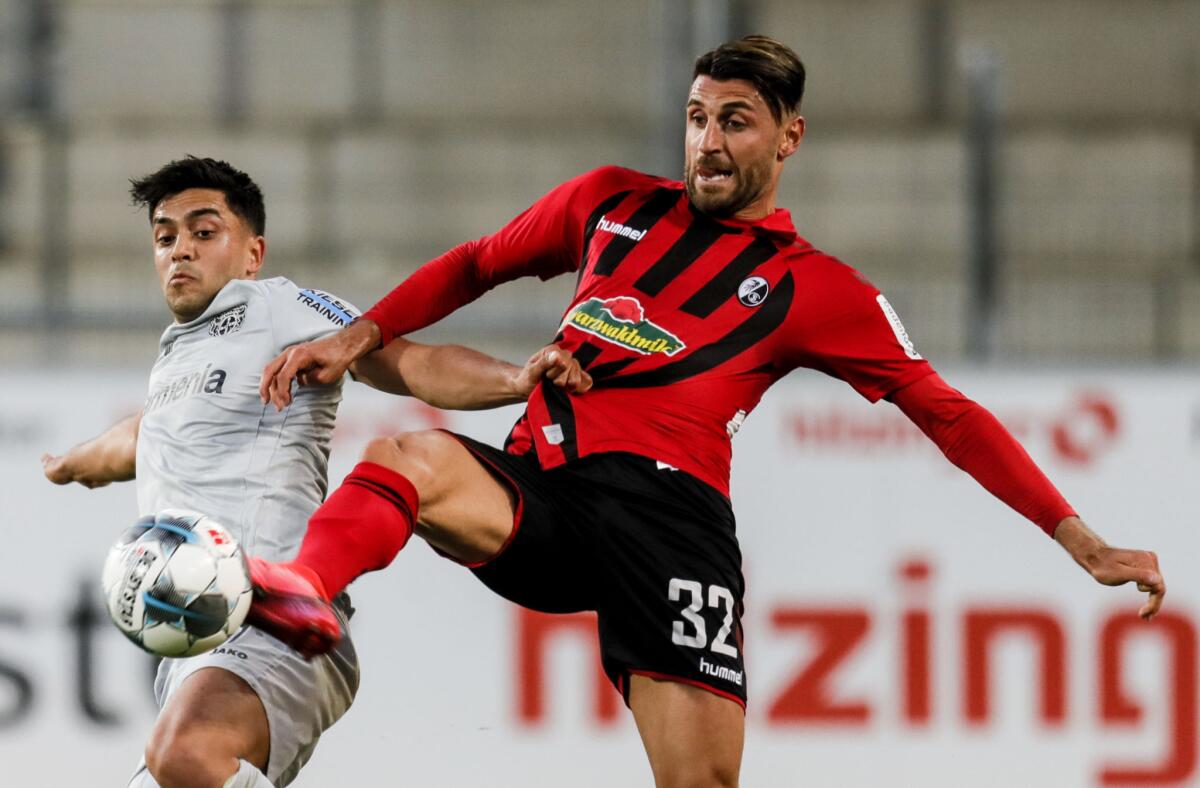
pixel 249 714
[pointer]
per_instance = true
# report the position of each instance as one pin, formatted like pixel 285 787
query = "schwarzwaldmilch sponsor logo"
pixel 622 321
pixel 227 322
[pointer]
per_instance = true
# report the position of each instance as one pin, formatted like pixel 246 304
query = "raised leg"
pixel 425 482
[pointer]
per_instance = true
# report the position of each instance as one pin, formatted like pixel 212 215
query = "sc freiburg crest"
pixel 753 291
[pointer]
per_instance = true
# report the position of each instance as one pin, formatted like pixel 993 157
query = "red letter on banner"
pixel 1116 705
pixel 534 632
pixel 979 629
pixel 809 698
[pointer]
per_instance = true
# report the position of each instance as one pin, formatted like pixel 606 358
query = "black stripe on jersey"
pixel 511 437
pixel 586 353
pixel 590 228
pixel 645 217
pixel 695 241
pixel 609 369
pixel 752 330
pixel 724 285
pixel 558 406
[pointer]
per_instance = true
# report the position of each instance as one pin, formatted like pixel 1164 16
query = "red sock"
pixel 360 527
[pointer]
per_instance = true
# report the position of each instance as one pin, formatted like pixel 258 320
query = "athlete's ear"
pixel 255 254
pixel 793 132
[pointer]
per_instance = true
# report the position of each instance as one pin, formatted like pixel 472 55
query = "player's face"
pixel 199 246
pixel 734 148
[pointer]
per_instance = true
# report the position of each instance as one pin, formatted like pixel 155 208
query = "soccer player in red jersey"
pixel 692 299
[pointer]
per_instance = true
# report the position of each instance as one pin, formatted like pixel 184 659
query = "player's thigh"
pixel 213 719
pixel 672 585
pixel 693 737
pixel 464 510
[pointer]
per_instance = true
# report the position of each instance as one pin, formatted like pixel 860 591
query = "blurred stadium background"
pixel 384 132
pixel 1021 177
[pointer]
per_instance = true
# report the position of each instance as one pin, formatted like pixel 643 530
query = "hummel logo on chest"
pixel 620 229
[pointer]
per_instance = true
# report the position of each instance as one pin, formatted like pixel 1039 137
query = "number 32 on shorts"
pixel 691 631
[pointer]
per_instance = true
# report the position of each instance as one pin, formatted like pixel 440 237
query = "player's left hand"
pixel 61 471
pixel 1114 566
pixel 319 362
pixel 556 365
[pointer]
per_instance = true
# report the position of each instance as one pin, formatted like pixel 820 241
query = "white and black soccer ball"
pixel 176 583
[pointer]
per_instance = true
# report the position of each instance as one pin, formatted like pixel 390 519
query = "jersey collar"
pixel 777 224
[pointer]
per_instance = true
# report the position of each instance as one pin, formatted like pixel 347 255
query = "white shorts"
pixel 302 698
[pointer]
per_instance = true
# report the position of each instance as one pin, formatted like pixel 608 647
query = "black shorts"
pixel 652 550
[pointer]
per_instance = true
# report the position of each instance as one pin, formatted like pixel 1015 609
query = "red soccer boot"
pixel 290 605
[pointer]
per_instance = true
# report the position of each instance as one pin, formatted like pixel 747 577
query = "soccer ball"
pixel 176 583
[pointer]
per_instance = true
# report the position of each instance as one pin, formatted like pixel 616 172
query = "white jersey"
pixel 208 443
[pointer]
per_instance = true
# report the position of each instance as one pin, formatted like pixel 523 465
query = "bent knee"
pixel 414 455
pixel 178 760
pixel 699 774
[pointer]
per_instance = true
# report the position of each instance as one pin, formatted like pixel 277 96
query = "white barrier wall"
pixel 903 628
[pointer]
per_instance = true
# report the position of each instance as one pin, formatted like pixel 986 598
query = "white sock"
pixel 248 777
pixel 141 778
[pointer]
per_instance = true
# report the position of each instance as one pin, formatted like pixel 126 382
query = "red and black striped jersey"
pixel 682 320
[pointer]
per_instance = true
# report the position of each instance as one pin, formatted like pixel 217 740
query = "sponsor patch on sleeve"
pixel 330 307
pixel 898 328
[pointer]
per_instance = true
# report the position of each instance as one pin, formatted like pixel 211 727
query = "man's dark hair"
pixel 242 194
pixel 770 66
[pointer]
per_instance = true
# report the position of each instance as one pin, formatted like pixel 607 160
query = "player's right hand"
pixel 556 365
pixel 320 362
pixel 60 471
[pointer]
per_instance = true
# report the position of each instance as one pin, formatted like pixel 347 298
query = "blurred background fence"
pixel 385 131
pixel 1022 177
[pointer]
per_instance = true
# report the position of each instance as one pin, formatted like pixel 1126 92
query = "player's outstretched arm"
pixel 1113 566
pixel 322 361
pixel 458 378
pixel 974 440
pixel 109 457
